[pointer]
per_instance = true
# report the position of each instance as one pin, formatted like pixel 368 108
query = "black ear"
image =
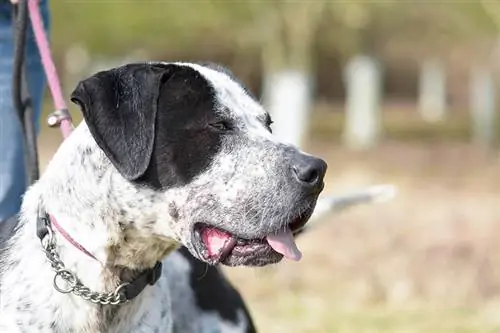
pixel 120 108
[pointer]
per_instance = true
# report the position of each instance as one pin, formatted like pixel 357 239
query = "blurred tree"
pixel 349 26
pixel 286 46
pixel 273 35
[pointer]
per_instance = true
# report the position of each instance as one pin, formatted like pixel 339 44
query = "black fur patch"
pixel 152 121
pixel 185 143
pixel 214 293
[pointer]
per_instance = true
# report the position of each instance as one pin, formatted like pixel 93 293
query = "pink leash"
pixel 61 116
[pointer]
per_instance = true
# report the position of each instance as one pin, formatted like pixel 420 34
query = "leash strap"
pixel 21 99
pixel 61 117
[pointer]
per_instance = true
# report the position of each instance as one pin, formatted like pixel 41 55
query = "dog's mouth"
pixel 216 245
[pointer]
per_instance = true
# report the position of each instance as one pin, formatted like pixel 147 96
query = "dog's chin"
pixel 241 250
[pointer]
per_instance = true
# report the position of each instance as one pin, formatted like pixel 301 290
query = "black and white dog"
pixel 168 155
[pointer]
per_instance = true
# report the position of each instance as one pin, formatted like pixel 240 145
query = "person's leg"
pixel 12 169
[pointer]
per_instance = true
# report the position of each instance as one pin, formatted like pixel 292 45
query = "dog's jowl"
pixel 168 155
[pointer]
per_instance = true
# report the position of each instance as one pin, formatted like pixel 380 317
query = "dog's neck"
pixel 82 191
pixel 98 209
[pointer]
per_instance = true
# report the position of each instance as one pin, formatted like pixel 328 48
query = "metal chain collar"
pixel 73 284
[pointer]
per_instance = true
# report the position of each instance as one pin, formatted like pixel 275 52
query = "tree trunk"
pixel 286 57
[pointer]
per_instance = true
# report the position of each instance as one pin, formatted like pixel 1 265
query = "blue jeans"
pixel 12 169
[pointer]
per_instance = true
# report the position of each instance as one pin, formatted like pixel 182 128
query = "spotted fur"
pixel 149 161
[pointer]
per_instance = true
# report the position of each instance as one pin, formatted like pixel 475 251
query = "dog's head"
pixel 226 188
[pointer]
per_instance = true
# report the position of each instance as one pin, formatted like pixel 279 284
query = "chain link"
pixel 72 284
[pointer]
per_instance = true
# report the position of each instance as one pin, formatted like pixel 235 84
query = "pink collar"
pixel 63 233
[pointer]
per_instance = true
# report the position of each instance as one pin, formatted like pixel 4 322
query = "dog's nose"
pixel 310 171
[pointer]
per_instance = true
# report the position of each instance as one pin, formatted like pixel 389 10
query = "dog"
pixel 204 299
pixel 168 154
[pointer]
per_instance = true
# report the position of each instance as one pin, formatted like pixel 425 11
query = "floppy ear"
pixel 120 108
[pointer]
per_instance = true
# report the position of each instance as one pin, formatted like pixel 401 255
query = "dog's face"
pixel 227 188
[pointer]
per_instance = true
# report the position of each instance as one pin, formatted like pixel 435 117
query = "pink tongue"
pixel 285 244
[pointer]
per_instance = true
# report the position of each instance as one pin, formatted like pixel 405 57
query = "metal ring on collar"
pixel 71 281
pixel 117 292
pixel 119 288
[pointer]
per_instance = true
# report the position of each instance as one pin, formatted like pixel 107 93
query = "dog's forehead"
pixel 232 97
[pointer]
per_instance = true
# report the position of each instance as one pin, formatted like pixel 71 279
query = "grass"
pixel 394 321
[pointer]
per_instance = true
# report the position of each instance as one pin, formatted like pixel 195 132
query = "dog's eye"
pixel 221 125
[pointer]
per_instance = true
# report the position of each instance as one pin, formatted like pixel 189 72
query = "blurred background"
pixel 400 92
